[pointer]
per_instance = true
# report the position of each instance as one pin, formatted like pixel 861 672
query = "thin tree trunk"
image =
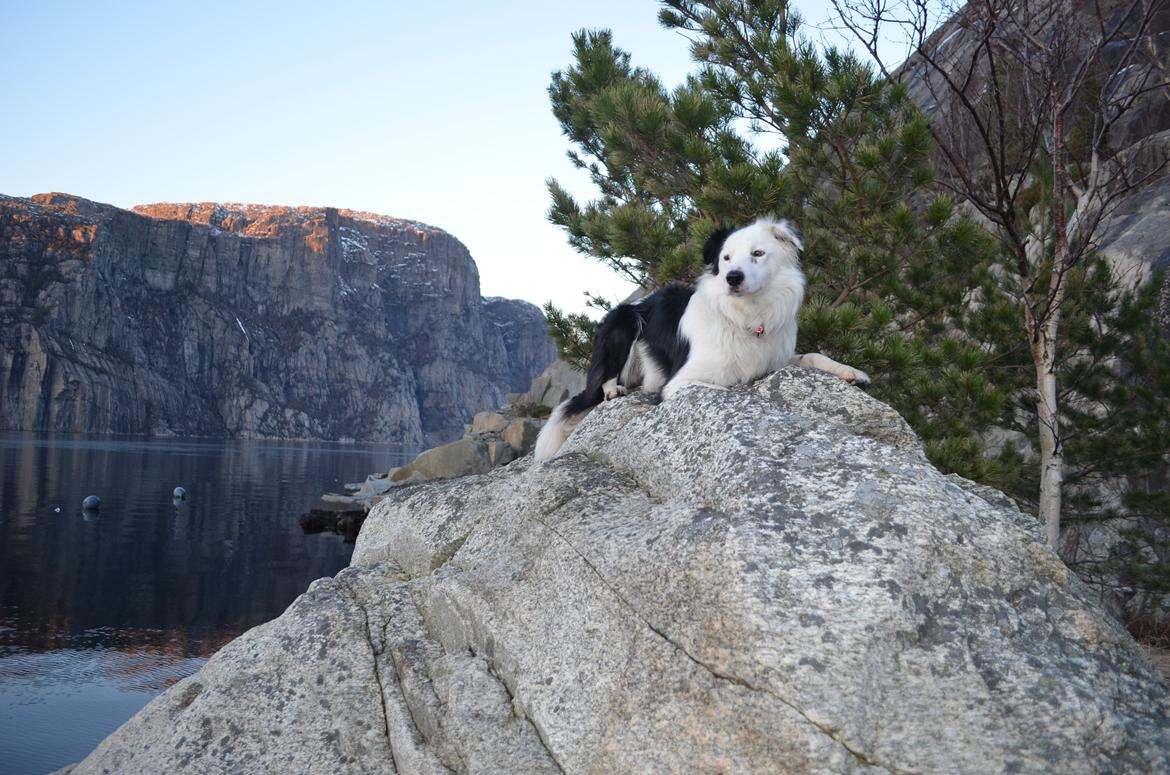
pixel 1044 346
pixel 1051 452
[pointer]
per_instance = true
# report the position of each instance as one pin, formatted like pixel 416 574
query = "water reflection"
pixel 101 610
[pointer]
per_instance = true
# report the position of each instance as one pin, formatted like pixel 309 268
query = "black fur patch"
pixel 616 334
pixel 661 312
pixel 653 320
pixel 713 246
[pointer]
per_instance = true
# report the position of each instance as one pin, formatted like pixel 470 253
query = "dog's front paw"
pixel 854 376
pixel 617 391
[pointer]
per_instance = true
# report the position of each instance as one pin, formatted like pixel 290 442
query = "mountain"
pixel 249 321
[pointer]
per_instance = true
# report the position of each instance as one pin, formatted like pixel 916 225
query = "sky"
pixel 432 111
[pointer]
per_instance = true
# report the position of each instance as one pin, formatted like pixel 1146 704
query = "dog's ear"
pixel 785 231
pixel 713 246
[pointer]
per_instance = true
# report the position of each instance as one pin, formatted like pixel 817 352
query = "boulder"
pixel 500 453
pixel 301 694
pixel 521 434
pixel 337 501
pixel 555 384
pixel 375 485
pixel 488 422
pixel 458 458
pixel 334 518
pixel 730 581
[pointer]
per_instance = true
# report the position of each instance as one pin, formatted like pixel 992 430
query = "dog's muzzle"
pixel 735 278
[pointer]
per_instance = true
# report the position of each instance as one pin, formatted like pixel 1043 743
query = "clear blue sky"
pixel 435 111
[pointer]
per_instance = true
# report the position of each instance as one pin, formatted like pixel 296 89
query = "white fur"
pixel 554 433
pixel 653 377
pixel 720 323
pixel 824 363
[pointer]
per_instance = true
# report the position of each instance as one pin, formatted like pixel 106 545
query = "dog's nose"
pixel 734 278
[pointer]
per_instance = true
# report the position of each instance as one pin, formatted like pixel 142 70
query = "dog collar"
pixel 759 330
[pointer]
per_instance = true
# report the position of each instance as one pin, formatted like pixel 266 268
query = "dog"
pixel 736 324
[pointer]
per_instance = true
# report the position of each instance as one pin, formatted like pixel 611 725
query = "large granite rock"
pixel 251 321
pixel 731 581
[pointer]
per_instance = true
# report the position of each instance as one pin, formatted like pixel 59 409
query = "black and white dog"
pixel 736 324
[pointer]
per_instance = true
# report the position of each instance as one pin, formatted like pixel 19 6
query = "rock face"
pixel 1137 235
pixel 525 338
pixel 767 579
pixel 250 321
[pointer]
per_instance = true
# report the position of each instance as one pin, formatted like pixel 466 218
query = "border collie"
pixel 738 323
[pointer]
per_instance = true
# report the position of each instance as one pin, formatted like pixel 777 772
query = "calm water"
pixel 99 615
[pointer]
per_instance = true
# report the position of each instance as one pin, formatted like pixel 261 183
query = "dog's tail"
pixel 564 419
pixel 611 348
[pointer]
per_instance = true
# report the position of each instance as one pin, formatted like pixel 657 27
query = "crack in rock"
pixel 517 710
pixel 375 652
pixel 828 731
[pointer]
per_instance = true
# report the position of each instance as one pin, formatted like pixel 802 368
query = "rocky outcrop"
pixel 243 320
pixel 767 579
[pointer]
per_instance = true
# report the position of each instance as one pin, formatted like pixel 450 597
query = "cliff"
pixel 767 579
pixel 250 321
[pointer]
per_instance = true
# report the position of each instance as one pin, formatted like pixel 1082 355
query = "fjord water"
pixel 101 612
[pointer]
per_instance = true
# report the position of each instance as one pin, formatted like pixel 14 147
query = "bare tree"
pixel 1026 98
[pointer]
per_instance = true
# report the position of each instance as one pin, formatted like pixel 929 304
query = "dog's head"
pixel 749 258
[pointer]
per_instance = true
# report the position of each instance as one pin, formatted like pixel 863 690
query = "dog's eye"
pixel 757 253
pixel 727 258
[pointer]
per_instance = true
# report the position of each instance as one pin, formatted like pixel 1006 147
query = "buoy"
pixel 91 503
pixel 57 510
pixel 180 494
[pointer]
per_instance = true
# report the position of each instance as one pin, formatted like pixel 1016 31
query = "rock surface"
pixel 521 434
pixel 731 581
pixel 250 321
pixel 488 422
